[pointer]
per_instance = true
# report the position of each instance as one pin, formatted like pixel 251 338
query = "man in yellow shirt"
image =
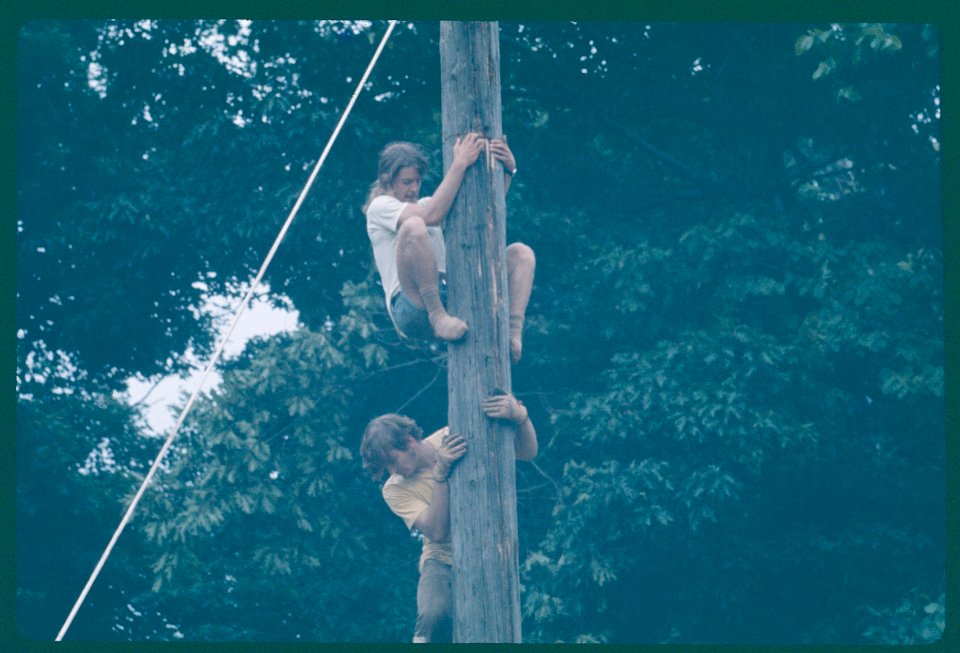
pixel 416 491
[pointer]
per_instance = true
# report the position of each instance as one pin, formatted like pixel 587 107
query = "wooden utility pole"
pixel 483 508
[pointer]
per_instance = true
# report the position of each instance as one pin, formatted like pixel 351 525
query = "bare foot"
pixel 446 327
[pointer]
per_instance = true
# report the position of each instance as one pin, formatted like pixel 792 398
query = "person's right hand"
pixel 468 148
pixel 452 448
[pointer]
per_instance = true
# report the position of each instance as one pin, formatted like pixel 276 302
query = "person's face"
pixel 406 184
pixel 402 461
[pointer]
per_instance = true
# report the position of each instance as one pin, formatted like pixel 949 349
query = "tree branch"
pixel 420 392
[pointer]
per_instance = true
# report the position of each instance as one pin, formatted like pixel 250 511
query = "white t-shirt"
pixel 383 217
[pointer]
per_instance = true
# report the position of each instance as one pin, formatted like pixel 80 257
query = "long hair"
pixel 393 158
pixel 383 434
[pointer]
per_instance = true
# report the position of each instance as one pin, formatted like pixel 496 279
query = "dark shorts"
pixel 413 321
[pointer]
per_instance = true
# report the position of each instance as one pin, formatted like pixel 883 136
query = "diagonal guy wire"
pixel 237 312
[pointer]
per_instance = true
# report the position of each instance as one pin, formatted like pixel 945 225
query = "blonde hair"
pixel 394 157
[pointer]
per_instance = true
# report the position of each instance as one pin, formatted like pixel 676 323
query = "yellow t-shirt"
pixel 409 497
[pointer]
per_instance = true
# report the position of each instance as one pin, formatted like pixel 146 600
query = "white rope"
pixel 238 312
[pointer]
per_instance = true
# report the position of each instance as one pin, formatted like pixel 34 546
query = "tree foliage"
pixel 734 352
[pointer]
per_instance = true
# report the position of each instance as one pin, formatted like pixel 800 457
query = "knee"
pixel 412 228
pixel 521 254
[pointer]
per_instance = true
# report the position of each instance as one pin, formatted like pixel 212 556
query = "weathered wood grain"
pixel 483 486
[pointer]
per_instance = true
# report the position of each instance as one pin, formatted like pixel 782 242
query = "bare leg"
pixel 521 264
pixel 417 269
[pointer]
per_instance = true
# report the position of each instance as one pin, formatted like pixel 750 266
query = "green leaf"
pixel 804 43
pixel 824 68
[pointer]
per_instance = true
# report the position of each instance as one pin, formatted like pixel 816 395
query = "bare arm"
pixel 465 153
pixel 507 407
pixel 526 443
pixel 434 522
pixel 502 153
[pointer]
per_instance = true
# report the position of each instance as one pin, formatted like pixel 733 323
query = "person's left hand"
pixel 501 152
pixel 505 407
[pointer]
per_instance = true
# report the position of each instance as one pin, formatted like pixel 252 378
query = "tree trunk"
pixel 483 512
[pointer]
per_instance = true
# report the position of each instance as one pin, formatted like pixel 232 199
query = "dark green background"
pixel 738 381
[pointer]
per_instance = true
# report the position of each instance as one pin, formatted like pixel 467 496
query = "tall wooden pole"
pixel 483 509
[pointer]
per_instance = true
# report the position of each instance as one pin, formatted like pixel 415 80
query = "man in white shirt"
pixel 407 238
